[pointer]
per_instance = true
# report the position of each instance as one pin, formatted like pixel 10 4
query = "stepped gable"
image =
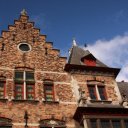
pixel 23 31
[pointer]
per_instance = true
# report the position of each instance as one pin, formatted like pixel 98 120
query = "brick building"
pixel 38 88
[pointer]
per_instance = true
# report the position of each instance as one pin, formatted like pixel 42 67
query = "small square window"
pixel 29 76
pixel 19 75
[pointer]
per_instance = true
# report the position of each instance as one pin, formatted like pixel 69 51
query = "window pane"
pixel 18 88
pixel 49 98
pixel 49 92
pixel 19 75
pixel 2 89
pixel 29 76
pixel 30 96
pixel 92 92
pixel 126 123
pixel 116 123
pixel 101 90
pixel 30 90
pixel 105 124
pixel 19 91
pixel 93 123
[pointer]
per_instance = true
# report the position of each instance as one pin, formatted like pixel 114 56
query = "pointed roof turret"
pixel 83 61
pixel 77 54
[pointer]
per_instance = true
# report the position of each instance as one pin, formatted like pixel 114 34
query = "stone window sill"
pixel 27 101
pixel 3 100
pixel 51 102
pixel 101 101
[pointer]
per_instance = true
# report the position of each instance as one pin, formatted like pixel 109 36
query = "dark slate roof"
pixel 77 53
pixel 123 87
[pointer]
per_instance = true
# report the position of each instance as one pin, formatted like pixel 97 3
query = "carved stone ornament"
pixel 52 123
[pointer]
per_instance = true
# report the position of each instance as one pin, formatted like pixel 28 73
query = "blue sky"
pixel 93 22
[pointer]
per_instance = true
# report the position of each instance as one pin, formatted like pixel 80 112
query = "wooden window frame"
pixel 33 86
pixel 4 89
pixel 22 92
pixel 96 91
pixel 104 92
pixel 24 82
pixel 52 94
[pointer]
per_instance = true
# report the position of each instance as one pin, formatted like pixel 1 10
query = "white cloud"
pixel 114 53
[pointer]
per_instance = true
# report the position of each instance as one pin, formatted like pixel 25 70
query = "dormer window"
pixel 89 60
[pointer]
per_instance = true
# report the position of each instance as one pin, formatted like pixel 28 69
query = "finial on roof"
pixel 23 12
pixel 74 42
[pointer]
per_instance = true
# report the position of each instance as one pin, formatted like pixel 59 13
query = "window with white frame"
pixel 24 85
pixel 97 92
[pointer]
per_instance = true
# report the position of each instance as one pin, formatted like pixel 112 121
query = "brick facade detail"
pixel 47 64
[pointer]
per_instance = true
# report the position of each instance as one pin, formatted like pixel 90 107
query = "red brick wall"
pixel 45 66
